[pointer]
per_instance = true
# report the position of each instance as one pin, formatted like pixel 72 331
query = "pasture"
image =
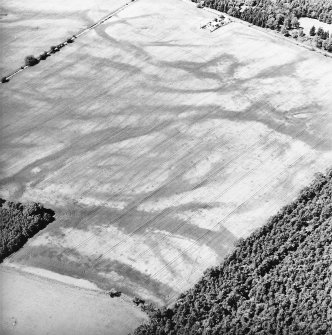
pixel 157 144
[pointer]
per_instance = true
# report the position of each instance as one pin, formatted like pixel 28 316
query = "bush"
pixel 43 56
pixel 53 49
pixel 319 43
pixel 4 80
pixel 113 293
pixel 327 45
pixel 295 34
pixel 138 301
pixel 31 61
pixel 284 31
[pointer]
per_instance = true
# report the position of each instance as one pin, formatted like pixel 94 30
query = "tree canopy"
pixel 277 281
pixel 281 15
pixel 19 222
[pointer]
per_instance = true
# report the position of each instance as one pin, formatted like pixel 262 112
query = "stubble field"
pixel 157 144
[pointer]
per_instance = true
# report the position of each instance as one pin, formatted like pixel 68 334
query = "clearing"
pixel 306 23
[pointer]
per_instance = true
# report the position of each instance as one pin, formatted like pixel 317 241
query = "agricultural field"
pixel 157 144
pixel 40 305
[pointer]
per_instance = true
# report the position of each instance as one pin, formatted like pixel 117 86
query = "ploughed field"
pixel 156 143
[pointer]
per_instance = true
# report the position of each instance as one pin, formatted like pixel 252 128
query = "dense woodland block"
pixel 19 222
pixel 277 281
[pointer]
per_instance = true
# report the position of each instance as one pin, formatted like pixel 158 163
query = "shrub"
pixel 295 22
pixel 295 34
pixel 284 31
pixel 53 49
pixel 43 56
pixel 318 42
pixel 138 301
pixel 114 293
pixel 327 45
pixel 31 61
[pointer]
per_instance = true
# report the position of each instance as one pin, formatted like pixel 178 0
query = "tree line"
pixel 19 222
pixel 276 281
pixel 280 15
pixel 260 11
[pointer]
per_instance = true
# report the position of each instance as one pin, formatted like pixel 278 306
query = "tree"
pixel 288 23
pixel 325 35
pixel 295 23
pixel 318 42
pixel 53 49
pixel 270 23
pixel 43 56
pixel 258 12
pixel 295 34
pixel 30 61
pixel 327 45
pixel 284 31
pixel 320 31
pixel 280 19
pixel 312 31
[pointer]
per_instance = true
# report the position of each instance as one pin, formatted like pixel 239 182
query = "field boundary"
pixel 70 40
